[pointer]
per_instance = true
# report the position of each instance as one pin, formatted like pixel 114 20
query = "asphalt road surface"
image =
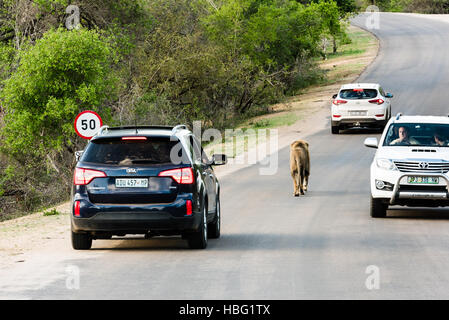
pixel 275 246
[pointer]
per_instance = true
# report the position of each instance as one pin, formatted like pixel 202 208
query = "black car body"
pixel 145 180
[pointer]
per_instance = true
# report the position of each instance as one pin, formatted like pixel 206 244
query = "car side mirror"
pixel 219 159
pixel 78 155
pixel 335 96
pixel 389 95
pixel 371 143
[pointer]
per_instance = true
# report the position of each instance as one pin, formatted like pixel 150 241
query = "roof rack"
pixel 102 129
pixel 173 130
pixel 398 116
pixel 180 127
pixel 141 127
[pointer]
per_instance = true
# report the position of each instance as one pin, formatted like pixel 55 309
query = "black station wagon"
pixel 149 180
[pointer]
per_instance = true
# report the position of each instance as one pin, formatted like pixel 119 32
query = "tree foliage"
pixel 144 62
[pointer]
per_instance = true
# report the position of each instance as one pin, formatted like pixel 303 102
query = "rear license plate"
pixel 423 180
pixel 357 113
pixel 131 183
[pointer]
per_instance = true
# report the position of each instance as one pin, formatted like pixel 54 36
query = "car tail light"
pixel 189 207
pixel 339 102
pixel 76 210
pixel 134 138
pixel 336 116
pixel 380 115
pixel 358 90
pixel 377 101
pixel 181 175
pixel 83 176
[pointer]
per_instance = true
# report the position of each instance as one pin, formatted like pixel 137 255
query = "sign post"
pixel 87 124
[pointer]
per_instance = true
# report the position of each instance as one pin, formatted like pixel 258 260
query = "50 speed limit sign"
pixel 87 124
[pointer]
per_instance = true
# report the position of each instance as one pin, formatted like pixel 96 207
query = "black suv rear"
pixel 149 180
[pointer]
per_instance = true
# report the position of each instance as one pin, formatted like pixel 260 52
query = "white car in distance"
pixel 360 105
pixel 411 165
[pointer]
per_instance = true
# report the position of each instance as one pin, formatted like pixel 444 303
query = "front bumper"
pixel 420 194
pixel 403 193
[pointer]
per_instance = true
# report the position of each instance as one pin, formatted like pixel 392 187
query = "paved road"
pixel 275 246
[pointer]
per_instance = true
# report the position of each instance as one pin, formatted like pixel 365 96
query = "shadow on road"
pixel 418 213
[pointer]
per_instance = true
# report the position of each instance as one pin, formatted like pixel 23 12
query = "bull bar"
pixel 420 195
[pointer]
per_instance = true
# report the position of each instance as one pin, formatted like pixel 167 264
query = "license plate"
pixel 423 180
pixel 358 113
pixel 131 183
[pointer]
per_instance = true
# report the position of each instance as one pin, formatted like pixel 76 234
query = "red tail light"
pixel 339 102
pixel 76 211
pixel 181 175
pixel 189 207
pixel 377 101
pixel 380 115
pixel 134 138
pixel 336 116
pixel 83 177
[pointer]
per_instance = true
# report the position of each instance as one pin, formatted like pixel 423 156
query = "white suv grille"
pixel 422 166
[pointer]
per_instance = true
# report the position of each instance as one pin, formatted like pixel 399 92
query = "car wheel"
pixel 335 129
pixel 214 227
pixel 378 208
pixel 198 240
pixel 81 241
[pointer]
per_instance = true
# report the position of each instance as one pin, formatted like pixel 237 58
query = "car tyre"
pixel 213 228
pixel 198 239
pixel 81 241
pixel 378 208
pixel 335 129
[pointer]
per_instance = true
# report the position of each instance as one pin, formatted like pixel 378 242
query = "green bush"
pixel 63 73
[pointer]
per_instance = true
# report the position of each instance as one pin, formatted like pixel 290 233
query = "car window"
pixel 195 150
pixel 354 94
pixel 115 151
pixel 417 134
pixel 200 154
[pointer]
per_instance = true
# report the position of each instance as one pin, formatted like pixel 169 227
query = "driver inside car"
pixel 404 138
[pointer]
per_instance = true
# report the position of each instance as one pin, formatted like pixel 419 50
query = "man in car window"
pixel 440 140
pixel 404 138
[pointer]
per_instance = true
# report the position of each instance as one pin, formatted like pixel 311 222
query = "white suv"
pixel 360 105
pixel 411 164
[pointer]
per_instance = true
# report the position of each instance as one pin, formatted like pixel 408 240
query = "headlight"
pixel 386 164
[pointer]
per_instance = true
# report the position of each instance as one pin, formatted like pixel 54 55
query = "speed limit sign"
pixel 87 124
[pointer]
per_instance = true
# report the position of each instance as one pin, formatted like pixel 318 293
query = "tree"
pixel 63 73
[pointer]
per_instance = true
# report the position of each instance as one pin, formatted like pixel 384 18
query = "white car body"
pixel 349 111
pixel 393 165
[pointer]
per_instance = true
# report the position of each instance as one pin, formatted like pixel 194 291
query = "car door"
pixel 211 180
pixel 205 171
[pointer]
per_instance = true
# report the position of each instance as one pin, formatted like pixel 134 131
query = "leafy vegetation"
pixel 417 6
pixel 142 62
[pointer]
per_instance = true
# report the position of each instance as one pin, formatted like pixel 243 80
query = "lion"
pixel 300 166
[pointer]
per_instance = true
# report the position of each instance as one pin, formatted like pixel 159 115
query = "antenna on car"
pixel 398 116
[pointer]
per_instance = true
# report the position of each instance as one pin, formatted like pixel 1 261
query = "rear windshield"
pixel 354 94
pixel 125 153
pixel 417 134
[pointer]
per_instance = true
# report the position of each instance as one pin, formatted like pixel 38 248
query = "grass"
pixel 52 212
